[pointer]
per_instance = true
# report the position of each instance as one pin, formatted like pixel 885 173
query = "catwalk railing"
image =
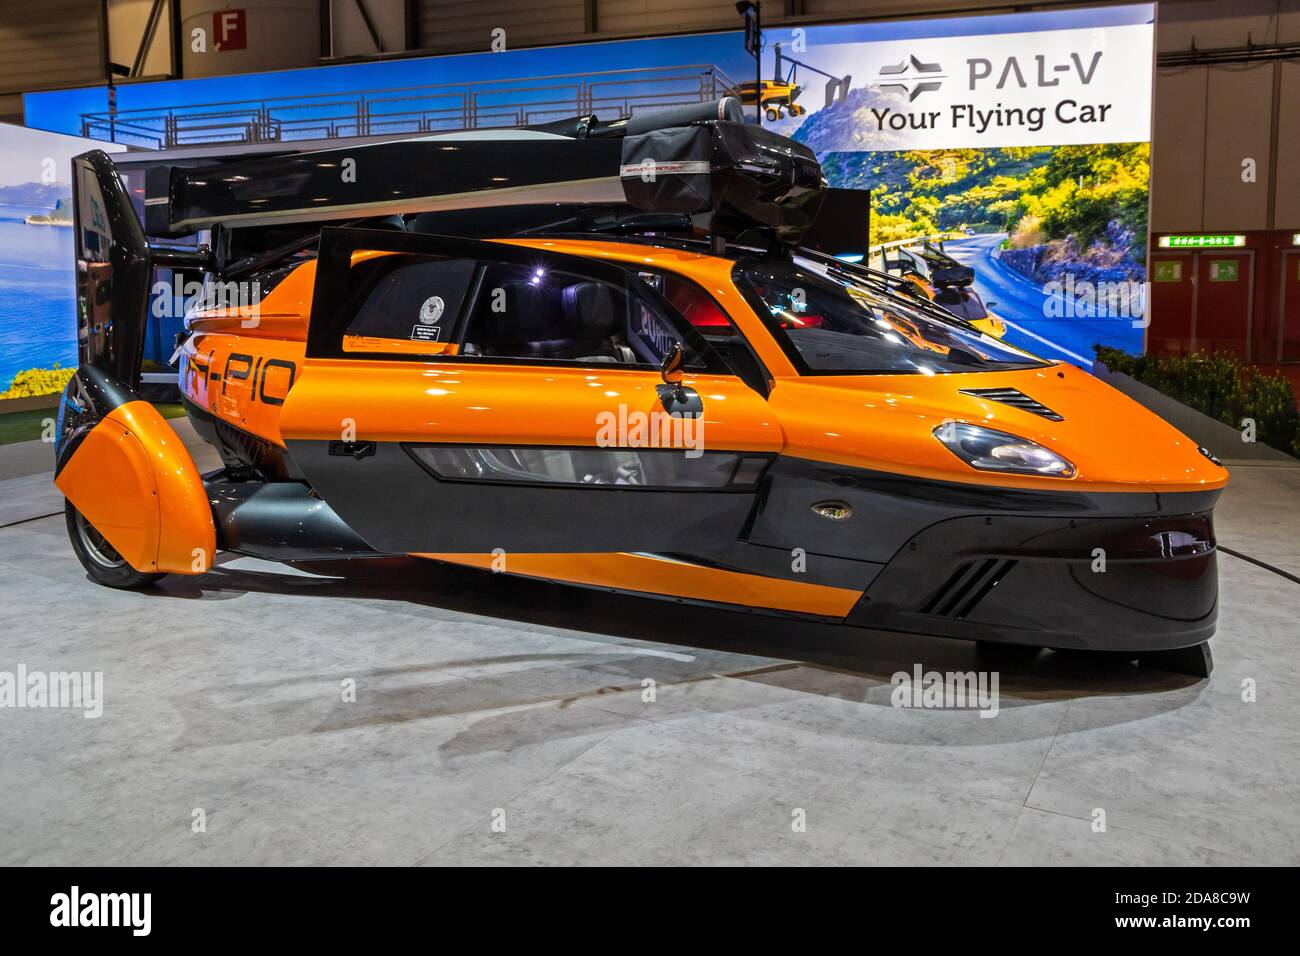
pixel 420 109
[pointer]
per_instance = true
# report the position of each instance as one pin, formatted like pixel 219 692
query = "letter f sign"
pixel 230 28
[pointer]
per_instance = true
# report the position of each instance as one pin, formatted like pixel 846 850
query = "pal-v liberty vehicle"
pixel 598 350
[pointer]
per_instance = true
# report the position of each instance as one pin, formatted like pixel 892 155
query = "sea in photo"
pixel 38 317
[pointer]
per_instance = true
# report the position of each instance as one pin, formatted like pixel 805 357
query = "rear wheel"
pixel 772 115
pixel 98 557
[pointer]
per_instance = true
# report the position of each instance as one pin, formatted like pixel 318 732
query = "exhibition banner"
pixel 1016 146
pixel 1029 88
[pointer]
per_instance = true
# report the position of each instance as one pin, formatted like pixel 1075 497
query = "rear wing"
pixel 114 268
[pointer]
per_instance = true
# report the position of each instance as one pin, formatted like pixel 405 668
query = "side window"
pixel 408 304
pixel 708 318
pixel 533 312
pixel 697 307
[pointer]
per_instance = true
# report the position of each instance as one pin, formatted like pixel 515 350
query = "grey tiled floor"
pixel 480 695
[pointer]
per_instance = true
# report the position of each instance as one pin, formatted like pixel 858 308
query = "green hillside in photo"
pixel 1083 196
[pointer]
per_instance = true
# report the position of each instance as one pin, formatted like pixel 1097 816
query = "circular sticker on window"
pixel 431 311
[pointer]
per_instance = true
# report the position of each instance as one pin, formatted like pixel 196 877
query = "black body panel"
pixel 888 509
pixel 987 563
pixel 280 521
pixel 244 454
pixel 1039 581
pixel 397 506
pixel 749 558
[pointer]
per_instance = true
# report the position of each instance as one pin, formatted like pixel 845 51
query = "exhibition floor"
pixel 479 703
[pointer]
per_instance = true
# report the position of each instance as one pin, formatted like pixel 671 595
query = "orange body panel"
pixel 135 482
pixel 885 422
pixel 654 575
pixel 1115 444
pixel 228 375
pixel 111 482
pixel 482 403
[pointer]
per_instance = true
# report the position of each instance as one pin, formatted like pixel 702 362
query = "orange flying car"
pixel 631 379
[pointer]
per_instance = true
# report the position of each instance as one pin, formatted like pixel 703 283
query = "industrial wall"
pixel 1221 129
pixel 45 45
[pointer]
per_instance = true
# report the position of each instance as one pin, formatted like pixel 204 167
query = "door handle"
pixel 352 449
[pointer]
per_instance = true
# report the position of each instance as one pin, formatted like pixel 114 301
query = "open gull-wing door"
pixel 465 396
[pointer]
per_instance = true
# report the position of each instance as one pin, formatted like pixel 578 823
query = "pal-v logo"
pixel 912 77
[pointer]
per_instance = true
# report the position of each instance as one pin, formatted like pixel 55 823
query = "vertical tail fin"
pixel 113 270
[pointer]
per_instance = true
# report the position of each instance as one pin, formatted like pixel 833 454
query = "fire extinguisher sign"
pixel 230 30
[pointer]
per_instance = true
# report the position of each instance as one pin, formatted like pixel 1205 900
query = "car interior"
pixel 556 316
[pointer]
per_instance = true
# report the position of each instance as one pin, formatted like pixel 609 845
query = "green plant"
pixel 1221 387
pixel 30 425
pixel 38 381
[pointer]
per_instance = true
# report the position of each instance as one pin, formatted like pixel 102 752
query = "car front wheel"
pixel 100 559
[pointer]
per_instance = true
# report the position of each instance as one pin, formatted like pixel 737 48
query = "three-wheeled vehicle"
pixel 930 273
pixel 627 376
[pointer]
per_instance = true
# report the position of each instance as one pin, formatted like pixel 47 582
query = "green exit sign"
pixel 1202 241
pixel 1223 270
pixel 1168 270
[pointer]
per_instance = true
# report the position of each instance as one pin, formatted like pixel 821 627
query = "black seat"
pixel 591 320
pixel 579 321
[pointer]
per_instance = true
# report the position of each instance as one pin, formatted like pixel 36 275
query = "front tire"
pixel 100 559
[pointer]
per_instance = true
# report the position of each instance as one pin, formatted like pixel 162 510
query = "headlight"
pixel 990 450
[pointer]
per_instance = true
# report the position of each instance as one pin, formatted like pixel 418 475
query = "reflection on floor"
pixel 481 699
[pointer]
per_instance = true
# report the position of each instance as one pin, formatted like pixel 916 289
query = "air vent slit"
pixel 953 599
pixel 967 586
pixel 1016 399
pixel 998 572
pixel 952 606
pixel 931 605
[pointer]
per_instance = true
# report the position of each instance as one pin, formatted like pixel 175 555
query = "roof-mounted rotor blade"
pixel 505 167
pixel 573 161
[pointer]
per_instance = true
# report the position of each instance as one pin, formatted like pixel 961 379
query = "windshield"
pixel 829 322
pixel 961 302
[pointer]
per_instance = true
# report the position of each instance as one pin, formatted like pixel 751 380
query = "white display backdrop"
pixel 1042 88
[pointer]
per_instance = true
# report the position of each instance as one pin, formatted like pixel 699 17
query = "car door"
pixel 465 396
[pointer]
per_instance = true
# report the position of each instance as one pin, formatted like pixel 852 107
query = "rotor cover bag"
pixel 669 170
